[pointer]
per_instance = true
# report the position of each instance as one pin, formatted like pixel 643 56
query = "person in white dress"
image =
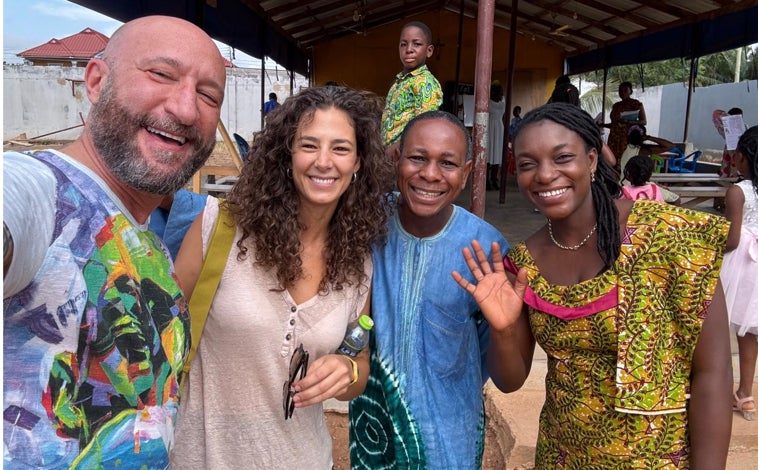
pixel 496 135
pixel 739 273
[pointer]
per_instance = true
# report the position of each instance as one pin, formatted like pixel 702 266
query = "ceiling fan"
pixel 359 15
pixel 560 30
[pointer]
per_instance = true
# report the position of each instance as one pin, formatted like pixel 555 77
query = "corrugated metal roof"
pixel 574 25
pixel 82 45
pixel 286 30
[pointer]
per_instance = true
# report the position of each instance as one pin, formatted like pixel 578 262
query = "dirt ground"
pixel 338 427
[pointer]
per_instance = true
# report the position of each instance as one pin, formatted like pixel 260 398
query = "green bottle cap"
pixel 366 322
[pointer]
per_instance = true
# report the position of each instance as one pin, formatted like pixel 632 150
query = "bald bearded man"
pixel 96 328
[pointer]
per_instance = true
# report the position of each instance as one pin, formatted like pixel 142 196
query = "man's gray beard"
pixel 114 133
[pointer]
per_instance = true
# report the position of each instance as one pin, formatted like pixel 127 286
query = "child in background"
pixel 564 92
pixel 728 167
pixel 415 90
pixel 515 120
pixel 739 273
pixel 637 172
pixel 637 145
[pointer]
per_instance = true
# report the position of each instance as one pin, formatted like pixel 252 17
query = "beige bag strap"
pixel 210 275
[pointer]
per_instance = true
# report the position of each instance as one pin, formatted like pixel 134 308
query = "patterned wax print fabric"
pixel 617 138
pixel 619 345
pixel 411 94
pixel 423 404
pixel 739 274
pixel 231 416
pixel 94 346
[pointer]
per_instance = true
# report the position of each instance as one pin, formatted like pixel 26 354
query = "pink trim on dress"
pixel 605 302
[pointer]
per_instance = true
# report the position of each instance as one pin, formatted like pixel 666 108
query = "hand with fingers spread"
pixel 500 300
pixel 511 345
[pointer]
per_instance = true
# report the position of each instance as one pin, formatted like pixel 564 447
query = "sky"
pixel 29 23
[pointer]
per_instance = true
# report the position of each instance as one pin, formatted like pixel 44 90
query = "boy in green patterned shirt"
pixel 415 90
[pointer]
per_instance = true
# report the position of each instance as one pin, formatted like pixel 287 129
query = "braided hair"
pixel 605 187
pixel 748 147
pixel 638 170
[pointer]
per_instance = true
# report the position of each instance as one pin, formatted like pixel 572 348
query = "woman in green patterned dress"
pixel 624 297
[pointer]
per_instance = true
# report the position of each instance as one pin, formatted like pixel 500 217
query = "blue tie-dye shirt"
pixel 423 404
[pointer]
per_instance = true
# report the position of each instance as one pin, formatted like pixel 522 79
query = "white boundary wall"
pixel 666 106
pixel 39 100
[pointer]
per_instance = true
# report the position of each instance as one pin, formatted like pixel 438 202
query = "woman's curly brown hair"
pixel 265 202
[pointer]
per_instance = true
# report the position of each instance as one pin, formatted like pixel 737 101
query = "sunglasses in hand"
pixel 298 369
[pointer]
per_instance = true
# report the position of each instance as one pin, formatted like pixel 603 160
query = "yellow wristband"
pixel 355 369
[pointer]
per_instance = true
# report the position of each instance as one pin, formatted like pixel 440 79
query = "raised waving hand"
pixel 500 300
pixel 511 345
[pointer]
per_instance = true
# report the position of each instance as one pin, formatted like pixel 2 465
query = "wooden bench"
pixel 200 182
pixel 200 179
pixel 698 187
pixel 697 194
pixel 207 188
pixel 691 179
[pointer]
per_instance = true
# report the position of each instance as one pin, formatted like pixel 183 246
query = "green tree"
pixel 711 70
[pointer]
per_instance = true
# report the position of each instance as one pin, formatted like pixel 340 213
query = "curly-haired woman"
pixel 309 203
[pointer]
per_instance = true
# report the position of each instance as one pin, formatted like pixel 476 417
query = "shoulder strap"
pixel 657 194
pixel 210 275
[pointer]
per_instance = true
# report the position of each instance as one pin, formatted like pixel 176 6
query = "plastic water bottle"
pixel 356 336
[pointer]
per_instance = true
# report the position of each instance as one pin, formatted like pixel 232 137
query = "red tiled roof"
pixel 82 45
